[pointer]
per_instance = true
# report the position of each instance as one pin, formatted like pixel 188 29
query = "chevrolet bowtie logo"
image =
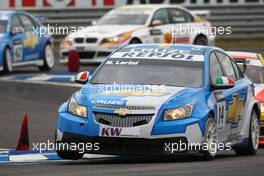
pixel 122 111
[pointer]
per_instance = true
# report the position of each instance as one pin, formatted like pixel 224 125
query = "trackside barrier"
pixel 247 21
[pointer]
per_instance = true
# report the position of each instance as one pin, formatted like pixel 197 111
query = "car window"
pixel 179 16
pixel 226 65
pixel 237 70
pixel 161 15
pixel 215 68
pixel 27 22
pixel 16 22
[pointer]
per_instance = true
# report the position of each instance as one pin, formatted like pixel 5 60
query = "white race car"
pixel 136 24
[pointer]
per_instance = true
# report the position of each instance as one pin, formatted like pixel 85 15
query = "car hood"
pixel 136 95
pixel 104 30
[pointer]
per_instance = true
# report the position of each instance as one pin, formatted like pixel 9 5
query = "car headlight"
pixel 77 109
pixel 117 39
pixel 66 42
pixel 179 113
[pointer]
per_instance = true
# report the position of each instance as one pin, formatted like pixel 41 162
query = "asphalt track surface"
pixel 41 102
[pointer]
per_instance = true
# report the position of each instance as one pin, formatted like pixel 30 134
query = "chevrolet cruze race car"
pixel 136 24
pixel 20 44
pixel 153 99
pixel 255 71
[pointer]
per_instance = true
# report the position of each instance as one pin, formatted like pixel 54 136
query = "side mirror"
pixel 222 82
pixel 82 77
pixel 17 30
pixel 156 23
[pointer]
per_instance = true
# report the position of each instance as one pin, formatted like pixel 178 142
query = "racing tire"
pixel 253 140
pixel 201 40
pixel 210 139
pixel 7 61
pixel 69 154
pixel 135 41
pixel 48 58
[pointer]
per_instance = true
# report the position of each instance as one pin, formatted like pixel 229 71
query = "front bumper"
pixel 127 146
pixel 71 128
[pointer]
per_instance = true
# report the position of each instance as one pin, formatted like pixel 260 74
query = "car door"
pixel 17 39
pixel 31 42
pixel 158 24
pixel 236 97
pixel 217 71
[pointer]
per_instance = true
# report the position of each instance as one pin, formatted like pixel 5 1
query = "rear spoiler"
pixel 201 13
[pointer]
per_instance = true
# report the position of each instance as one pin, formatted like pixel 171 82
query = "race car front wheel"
pixel 68 154
pixel 251 146
pixel 210 140
pixel 48 58
pixel 7 61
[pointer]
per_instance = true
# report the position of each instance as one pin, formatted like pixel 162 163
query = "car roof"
pixel 242 55
pixel 250 57
pixel 152 6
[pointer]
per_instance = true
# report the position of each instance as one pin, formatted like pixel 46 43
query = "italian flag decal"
pixel 223 80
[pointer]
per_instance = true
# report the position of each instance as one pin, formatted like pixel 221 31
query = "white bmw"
pixel 136 24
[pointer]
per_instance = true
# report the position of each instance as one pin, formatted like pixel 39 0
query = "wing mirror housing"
pixel 82 77
pixel 17 30
pixel 222 82
pixel 156 23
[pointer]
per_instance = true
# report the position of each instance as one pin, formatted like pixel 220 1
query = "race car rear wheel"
pixel 210 139
pixel 48 58
pixel 135 41
pixel 201 40
pixel 7 61
pixel 253 140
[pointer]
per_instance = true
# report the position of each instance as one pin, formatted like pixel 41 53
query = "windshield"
pixel 3 26
pixel 151 72
pixel 255 74
pixel 124 17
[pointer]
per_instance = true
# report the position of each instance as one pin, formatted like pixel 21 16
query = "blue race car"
pixel 160 99
pixel 21 44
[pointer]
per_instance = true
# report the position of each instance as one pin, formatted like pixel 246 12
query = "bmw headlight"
pixel 67 42
pixel 117 39
pixel 77 109
pixel 179 113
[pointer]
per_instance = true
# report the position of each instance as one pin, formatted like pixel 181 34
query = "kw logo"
pixel 111 131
